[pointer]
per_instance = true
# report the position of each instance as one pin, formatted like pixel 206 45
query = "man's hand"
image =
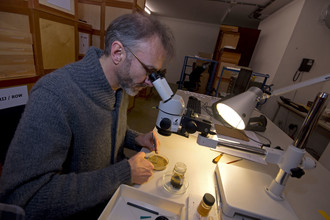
pixel 141 169
pixel 148 140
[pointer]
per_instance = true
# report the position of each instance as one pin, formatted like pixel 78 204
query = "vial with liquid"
pixel 177 179
pixel 205 205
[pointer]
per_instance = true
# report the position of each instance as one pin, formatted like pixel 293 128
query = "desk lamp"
pixel 245 191
pixel 236 111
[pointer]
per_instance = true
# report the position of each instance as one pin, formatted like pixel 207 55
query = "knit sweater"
pixel 67 153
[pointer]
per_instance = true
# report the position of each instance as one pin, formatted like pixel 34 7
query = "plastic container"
pixel 177 178
pixel 205 205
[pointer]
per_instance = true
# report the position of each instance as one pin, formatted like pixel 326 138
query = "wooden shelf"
pixel 40 37
pixel 235 46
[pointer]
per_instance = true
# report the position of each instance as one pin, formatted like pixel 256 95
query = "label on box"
pixel 15 96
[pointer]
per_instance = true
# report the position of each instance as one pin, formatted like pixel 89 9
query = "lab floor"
pixel 142 117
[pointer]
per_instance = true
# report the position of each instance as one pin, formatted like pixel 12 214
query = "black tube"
pixel 311 120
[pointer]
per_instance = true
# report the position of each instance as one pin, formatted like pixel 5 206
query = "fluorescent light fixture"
pixel 146 9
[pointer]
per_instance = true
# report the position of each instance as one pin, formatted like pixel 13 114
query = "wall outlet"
pixel 280 124
pixel 293 126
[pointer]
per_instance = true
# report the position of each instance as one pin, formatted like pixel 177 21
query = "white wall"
pixel 191 38
pixel 310 39
pixel 275 35
pixel 289 35
pixel 324 160
pixel 276 32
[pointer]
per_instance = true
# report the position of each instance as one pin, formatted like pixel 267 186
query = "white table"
pixel 306 195
pixel 200 169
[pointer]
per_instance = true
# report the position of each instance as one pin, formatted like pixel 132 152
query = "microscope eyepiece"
pixel 153 76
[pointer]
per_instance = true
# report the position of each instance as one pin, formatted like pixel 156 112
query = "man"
pixel 66 159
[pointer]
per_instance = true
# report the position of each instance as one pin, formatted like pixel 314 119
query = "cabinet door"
pixel 16 50
pixel 57 43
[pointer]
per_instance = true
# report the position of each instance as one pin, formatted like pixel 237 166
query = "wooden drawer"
pixel 16 59
pixel 230 57
pixel 229 28
pixel 15 37
pixel 15 49
pixel 230 40
pixel 14 71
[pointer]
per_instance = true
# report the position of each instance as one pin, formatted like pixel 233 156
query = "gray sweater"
pixel 67 152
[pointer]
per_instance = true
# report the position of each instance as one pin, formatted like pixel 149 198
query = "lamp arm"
pixel 293 156
pixel 299 85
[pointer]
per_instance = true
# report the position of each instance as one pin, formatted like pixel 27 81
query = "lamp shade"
pixel 237 110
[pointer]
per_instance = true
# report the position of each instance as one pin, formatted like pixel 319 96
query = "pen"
pixel 234 161
pixel 154 141
pixel 216 159
pixel 142 208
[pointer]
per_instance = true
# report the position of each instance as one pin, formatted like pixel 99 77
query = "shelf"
pixel 211 70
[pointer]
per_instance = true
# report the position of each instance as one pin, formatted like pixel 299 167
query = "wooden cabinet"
pixel 39 36
pixel 36 37
pixel 16 46
pixel 100 13
pixel 234 48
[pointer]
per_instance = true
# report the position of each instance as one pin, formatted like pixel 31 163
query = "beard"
pixel 126 82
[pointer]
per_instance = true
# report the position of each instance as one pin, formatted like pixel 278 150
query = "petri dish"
pixel 159 161
pixel 169 187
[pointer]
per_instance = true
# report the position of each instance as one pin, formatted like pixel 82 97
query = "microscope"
pixel 173 116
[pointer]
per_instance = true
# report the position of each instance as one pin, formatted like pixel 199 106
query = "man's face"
pixel 126 81
pixel 132 76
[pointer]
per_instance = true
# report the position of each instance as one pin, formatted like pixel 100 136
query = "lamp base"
pixel 243 193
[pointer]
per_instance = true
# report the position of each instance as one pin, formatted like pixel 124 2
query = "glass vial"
pixel 177 178
pixel 205 205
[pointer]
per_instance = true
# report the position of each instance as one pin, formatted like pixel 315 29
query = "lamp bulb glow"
pixel 230 116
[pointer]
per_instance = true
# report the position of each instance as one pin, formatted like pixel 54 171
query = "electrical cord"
pixel 263 144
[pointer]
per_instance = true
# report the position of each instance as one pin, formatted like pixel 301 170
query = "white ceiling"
pixel 232 12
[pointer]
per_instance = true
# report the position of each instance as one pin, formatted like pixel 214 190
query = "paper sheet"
pixel 231 132
pixel 13 96
pixel 66 4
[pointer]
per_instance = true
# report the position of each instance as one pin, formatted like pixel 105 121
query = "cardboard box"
pixel 230 57
pixel 230 40
pixel 229 28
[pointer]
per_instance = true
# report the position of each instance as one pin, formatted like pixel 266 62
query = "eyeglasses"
pixel 149 71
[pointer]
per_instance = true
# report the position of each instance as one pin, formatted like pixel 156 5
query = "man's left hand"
pixel 148 140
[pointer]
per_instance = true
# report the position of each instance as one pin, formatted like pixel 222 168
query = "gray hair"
pixel 130 29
